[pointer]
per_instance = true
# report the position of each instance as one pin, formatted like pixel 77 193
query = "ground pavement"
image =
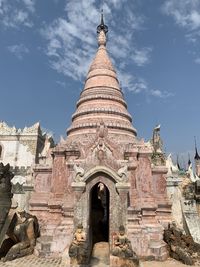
pixel 168 263
pixel 33 261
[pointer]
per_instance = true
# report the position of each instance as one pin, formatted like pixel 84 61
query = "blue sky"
pixel 46 47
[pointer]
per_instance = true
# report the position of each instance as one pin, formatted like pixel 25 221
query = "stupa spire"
pixel 177 162
pixel 189 161
pixel 102 98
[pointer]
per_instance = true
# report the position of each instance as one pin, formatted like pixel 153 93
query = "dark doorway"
pixel 99 213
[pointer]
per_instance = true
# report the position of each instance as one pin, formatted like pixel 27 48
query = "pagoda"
pixel 102 176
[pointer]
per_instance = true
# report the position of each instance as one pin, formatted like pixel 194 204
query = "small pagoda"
pixel 101 176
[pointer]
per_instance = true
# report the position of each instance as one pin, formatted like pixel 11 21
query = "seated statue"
pixel 122 246
pixel 77 249
pixel 23 234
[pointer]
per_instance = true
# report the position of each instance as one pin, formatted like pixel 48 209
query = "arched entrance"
pixel 101 207
pixel 99 213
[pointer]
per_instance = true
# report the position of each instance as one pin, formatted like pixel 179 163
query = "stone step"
pixel 43 246
pixel 100 255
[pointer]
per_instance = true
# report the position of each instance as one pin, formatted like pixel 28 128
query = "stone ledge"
pixel 123 186
pixel 159 169
pixel 78 186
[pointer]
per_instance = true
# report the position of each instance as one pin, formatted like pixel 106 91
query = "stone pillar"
pixel 159 182
pixel 123 189
pixel 146 200
pixel 58 184
pixel 133 192
pixel 78 190
pixel 40 196
pixel 160 191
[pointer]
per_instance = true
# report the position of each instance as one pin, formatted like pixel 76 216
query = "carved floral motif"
pixel 122 172
pixel 6 130
pixel 31 144
pixel 79 173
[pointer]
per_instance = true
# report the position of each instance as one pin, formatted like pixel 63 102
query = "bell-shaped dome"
pixel 101 98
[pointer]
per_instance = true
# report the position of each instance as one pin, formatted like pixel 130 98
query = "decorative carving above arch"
pixel 102 169
pixel 119 181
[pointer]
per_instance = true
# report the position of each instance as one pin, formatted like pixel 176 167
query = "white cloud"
pixel 161 94
pixel 30 5
pixel 186 13
pixel 71 42
pixel 18 50
pixel 138 85
pixel 117 3
pixel 61 84
pixel 197 60
pixel 17 14
pixel 132 83
pixel 142 57
pixel 67 56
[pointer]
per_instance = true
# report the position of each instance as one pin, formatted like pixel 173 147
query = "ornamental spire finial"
pixel 102 26
pixel 102 29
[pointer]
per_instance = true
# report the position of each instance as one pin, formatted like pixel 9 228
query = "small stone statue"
pixel 122 247
pixel 77 249
pixel 158 158
pixel 23 232
pixel 156 140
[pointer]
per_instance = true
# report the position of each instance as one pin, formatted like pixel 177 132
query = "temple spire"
pixel 189 161
pixel 177 162
pixel 196 157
